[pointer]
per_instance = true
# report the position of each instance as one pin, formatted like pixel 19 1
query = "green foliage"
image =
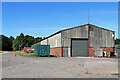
pixel 6 43
pixel 117 41
pixel 24 41
pixel 15 44
pixel 37 39
pixel 26 45
pixel 26 54
pixel 21 41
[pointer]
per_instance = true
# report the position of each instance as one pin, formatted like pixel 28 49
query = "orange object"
pixel 25 49
pixel 15 54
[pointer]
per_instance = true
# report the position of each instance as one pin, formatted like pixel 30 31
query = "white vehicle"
pixel 30 50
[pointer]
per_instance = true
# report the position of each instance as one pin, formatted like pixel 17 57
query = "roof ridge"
pixel 76 27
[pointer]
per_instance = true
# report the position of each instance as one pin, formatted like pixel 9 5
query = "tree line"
pixel 21 41
pixel 18 43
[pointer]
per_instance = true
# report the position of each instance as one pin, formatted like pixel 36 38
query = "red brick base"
pixel 108 50
pixel 55 51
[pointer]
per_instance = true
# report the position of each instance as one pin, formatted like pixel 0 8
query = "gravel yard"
pixel 58 67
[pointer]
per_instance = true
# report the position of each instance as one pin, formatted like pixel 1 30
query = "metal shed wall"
pixel 79 32
pixel 101 38
pixel 54 41
pixel 44 42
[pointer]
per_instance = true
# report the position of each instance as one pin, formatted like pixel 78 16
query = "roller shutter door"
pixel 79 47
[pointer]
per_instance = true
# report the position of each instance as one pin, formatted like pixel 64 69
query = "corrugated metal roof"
pixel 76 27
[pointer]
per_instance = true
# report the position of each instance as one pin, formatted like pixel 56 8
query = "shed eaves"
pixel 77 27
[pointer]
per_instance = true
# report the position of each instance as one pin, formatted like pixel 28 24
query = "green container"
pixel 42 50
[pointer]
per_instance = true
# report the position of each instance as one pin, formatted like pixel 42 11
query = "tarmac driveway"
pixel 58 67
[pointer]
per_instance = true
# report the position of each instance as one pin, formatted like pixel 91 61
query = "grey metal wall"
pixel 101 38
pixel 98 37
pixel 54 41
pixel 44 42
pixel 79 32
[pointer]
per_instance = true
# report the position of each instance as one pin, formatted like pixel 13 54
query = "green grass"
pixel 81 64
pixel 32 55
pixel 115 74
pixel 87 72
pixel 26 54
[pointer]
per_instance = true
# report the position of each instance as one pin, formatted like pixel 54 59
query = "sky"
pixel 41 19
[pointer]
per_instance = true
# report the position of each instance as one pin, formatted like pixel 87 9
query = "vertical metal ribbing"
pixel 47 41
pixel 88 37
pixel 62 43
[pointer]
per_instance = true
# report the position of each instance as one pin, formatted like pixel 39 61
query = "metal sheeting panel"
pixel 42 50
pixel 108 39
pixel 101 41
pixel 101 38
pixel 37 50
pixel 79 32
pixel 65 51
pixel 79 47
pixel 54 41
pixel 44 42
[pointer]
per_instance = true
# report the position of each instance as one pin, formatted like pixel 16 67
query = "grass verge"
pixel 115 74
pixel 26 54
pixel 33 55
pixel 87 72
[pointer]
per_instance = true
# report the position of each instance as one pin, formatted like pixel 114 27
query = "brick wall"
pixel 108 50
pixel 55 51
pixel 91 52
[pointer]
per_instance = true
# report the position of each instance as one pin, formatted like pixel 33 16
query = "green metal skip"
pixel 42 50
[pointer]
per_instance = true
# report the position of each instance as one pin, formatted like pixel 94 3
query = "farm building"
pixel 80 41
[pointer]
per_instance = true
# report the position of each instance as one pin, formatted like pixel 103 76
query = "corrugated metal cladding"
pixel 65 51
pixel 42 50
pixel 79 32
pixel 54 41
pixel 98 37
pixel 101 37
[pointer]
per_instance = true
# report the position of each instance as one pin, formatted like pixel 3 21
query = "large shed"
pixel 80 41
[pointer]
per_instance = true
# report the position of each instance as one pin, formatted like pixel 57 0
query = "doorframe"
pixel 79 39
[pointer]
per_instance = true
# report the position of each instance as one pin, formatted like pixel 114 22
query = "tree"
pixel 22 35
pixel 15 44
pixel 29 40
pixel 24 41
pixel 26 45
pixel 19 43
pixel 5 43
pixel 0 42
pixel 117 41
pixel 11 42
pixel 44 37
pixel 37 39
